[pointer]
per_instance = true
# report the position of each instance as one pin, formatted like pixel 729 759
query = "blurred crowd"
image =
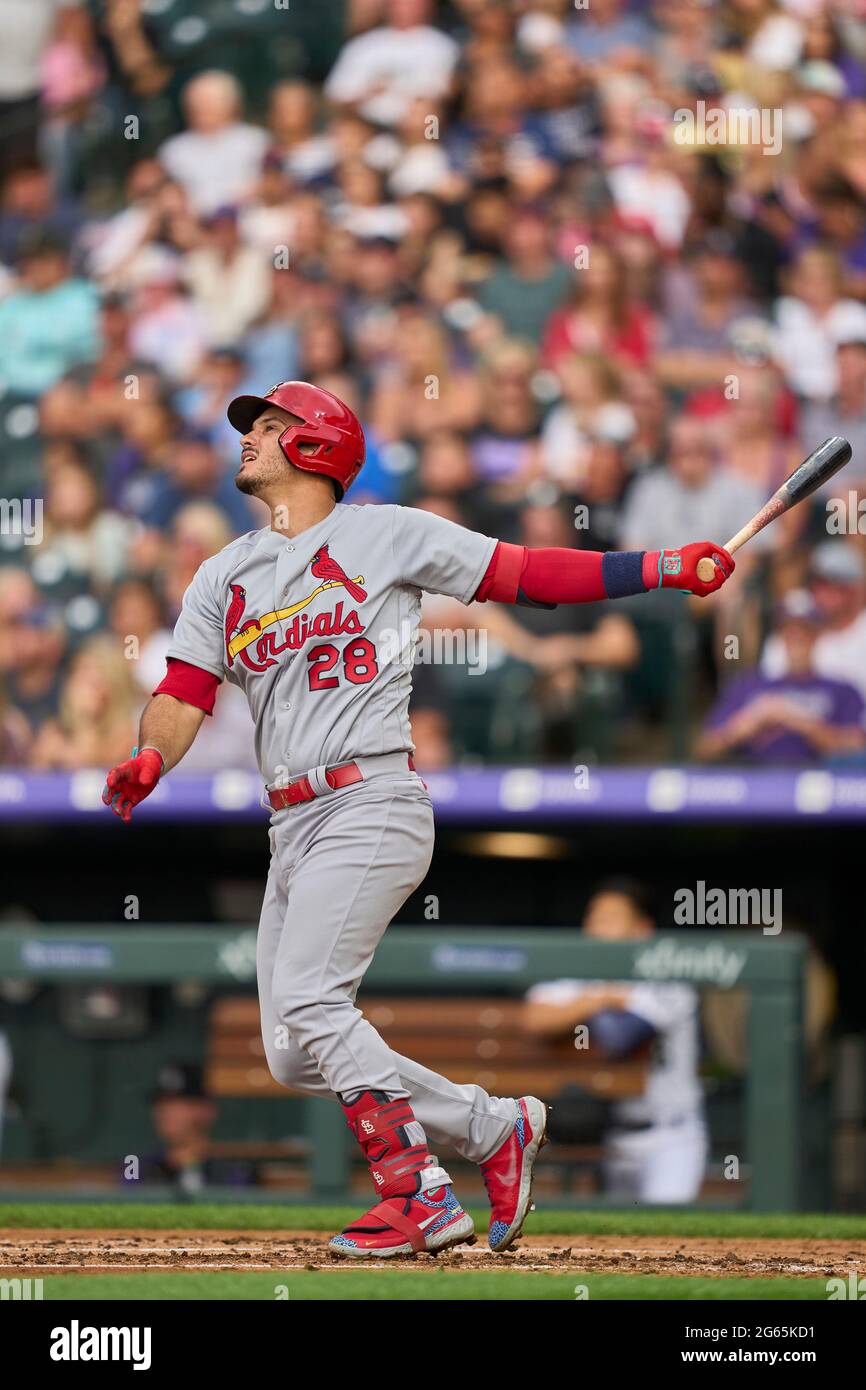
pixel 576 294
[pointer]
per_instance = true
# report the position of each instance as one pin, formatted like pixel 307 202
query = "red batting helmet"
pixel 327 423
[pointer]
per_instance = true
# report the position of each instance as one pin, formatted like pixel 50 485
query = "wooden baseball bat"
pixel 806 478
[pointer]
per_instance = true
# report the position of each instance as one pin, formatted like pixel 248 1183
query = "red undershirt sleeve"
pixel 556 574
pixel 189 683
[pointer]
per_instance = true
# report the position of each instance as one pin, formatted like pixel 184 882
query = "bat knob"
pixel 706 570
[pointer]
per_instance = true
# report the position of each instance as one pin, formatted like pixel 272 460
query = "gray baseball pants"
pixel 341 866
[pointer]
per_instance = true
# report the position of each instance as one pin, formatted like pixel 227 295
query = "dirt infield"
pixel 117 1251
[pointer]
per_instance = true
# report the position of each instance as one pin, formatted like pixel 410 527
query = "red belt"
pixel 302 790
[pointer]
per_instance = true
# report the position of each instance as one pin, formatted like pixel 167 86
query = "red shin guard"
pixel 393 1142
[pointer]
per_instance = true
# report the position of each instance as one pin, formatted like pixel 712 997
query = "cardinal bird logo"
pixel 234 614
pixel 233 617
pixel 323 566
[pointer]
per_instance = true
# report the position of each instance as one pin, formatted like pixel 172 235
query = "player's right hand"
pixel 130 782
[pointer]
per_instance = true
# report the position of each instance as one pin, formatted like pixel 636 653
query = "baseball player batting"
pixel 301 615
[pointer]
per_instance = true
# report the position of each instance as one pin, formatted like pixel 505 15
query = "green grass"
pixel 208 1217
pixel 441 1285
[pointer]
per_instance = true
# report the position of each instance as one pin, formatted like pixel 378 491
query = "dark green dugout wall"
pixel 88 1100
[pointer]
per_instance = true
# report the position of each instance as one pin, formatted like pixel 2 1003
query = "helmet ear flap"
pixel 285 441
pixel 307 461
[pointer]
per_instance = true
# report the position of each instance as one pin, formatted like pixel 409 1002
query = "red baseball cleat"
pixel 431 1221
pixel 508 1173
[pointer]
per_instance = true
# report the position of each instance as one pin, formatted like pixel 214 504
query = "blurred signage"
pixel 238 956
pixel 481 960
pixel 66 955
pixel 668 960
pixel 471 795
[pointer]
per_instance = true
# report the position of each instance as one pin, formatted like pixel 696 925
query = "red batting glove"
pixel 678 569
pixel 132 781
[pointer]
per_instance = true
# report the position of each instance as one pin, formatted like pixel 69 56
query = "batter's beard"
pixel 272 474
pixel 254 483
pixel 250 486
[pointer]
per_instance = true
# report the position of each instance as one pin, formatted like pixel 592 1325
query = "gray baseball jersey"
pixel 317 629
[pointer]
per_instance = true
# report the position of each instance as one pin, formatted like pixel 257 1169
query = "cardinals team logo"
pixel 237 604
pixel 324 567
pixel 240 634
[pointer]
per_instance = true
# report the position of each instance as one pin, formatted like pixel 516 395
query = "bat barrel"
pixel 815 470
pixel 806 478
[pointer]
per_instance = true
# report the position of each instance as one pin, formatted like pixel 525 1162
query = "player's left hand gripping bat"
pixel 806 478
